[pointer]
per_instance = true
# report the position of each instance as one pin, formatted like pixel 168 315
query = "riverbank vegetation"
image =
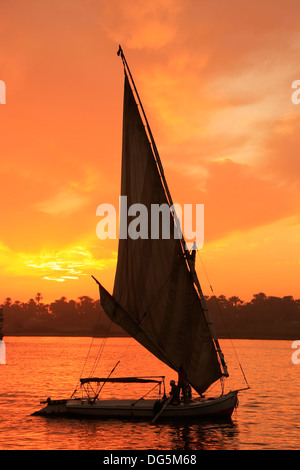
pixel 264 317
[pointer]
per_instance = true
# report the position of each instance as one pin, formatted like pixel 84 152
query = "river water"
pixel 267 418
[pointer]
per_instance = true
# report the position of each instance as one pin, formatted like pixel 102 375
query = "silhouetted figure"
pixel 182 383
pixel 189 392
pixel 174 392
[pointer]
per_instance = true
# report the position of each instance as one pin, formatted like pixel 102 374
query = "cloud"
pixel 70 263
pixel 263 259
pixel 141 25
pixel 241 199
pixel 282 159
pixel 223 74
pixel 236 196
pixel 65 202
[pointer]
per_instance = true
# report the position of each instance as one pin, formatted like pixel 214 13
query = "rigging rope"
pixel 222 317
pixel 83 367
pixel 99 354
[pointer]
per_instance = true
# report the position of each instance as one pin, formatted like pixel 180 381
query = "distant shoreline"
pixel 263 318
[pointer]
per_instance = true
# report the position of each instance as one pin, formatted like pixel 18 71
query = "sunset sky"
pixel 215 78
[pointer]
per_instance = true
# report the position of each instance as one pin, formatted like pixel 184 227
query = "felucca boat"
pixel 157 298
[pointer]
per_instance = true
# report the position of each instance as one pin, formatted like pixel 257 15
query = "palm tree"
pixel 259 298
pixel 7 302
pixel 38 297
pixel 235 300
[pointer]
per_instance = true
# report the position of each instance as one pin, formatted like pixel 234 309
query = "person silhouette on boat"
pixel 188 392
pixel 182 384
pixel 174 393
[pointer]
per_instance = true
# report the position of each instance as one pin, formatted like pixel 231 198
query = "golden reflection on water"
pixel 267 417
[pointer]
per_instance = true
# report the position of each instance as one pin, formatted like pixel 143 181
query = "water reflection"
pixel 134 435
pixel 202 435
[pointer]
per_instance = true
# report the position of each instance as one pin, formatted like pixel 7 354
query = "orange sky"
pixel 215 80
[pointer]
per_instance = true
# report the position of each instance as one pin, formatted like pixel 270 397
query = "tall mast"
pixel 190 262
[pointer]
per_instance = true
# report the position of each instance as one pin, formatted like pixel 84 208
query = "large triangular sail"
pixel 155 298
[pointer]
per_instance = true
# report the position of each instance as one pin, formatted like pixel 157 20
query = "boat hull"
pixel 222 406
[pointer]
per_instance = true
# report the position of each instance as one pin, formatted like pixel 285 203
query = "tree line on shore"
pixel 265 317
